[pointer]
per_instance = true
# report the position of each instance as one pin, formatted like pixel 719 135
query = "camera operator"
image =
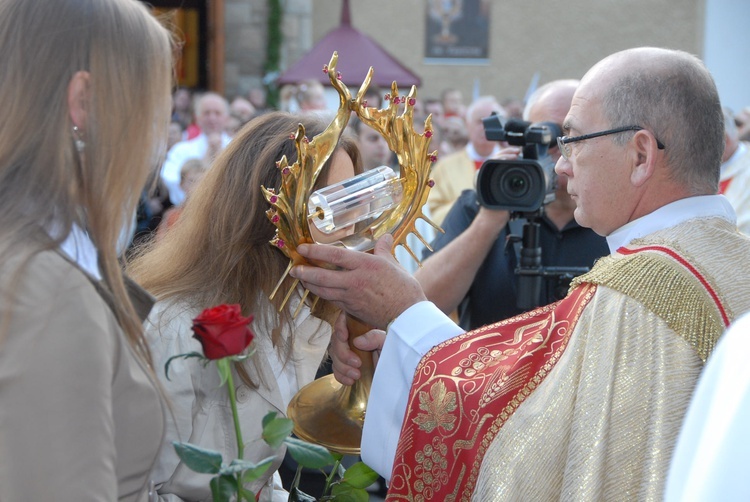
pixel 473 268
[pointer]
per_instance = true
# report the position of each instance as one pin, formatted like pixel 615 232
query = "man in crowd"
pixel 735 172
pixel 473 268
pixel 582 399
pixel 456 172
pixel 211 114
pixel 453 103
pixel 373 149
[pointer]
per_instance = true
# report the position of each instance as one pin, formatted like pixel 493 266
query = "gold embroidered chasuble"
pixel 587 412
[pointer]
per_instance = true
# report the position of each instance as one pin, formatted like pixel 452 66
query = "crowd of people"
pixel 617 383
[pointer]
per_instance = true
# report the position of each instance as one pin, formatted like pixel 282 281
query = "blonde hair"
pixel 192 166
pixel 307 91
pixel 44 183
pixel 219 251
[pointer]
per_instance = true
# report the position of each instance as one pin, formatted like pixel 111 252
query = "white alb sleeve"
pixel 417 330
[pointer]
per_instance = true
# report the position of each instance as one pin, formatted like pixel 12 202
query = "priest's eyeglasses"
pixel 563 142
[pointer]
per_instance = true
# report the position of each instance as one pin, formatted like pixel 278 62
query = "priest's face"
pixel 597 168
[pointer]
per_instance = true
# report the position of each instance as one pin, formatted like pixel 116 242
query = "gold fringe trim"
pixel 666 288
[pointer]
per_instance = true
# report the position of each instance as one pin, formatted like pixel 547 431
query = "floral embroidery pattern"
pixel 438 404
pixel 493 370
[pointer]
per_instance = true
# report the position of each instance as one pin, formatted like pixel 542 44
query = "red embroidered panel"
pixel 466 388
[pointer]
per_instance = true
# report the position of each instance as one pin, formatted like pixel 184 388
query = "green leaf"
pixel 269 417
pixel 347 493
pixel 198 459
pixel 224 370
pixel 222 488
pixel 251 475
pixel 247 495
pixel 297 495
pixel 308 454
pixel 359 475
pixel 340 469
pixel 182 356
pixel 276 430
pixel 239 465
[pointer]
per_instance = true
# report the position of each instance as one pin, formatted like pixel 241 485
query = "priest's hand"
pixel 346 362
pixel 371 287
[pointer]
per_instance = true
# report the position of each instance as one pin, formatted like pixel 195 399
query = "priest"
pixel 582 399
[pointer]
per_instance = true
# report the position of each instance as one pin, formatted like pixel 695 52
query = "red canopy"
pixel 357 53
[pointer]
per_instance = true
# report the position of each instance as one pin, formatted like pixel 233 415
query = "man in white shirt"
pixel 582 399
pixel 457 171
pixel 211 114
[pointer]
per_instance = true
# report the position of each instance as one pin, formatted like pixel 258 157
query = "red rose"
pixel 222 331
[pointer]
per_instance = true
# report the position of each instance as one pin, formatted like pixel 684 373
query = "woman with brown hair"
pixel 218 252
pixel 84 90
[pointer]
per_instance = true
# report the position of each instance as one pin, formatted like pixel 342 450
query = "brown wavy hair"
pixel 218 252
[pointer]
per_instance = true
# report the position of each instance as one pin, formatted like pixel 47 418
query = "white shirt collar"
pixel 79 248
pixel 672 214
pixel 473 155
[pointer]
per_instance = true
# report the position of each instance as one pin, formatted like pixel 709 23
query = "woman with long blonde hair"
pixel 218 252
pixel 84 90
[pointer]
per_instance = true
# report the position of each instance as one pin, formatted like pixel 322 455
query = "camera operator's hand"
pixel 508 153
pixel 491 222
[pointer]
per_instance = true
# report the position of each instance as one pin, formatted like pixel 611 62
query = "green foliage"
pixel 250 471
pixel 184 356
pixel 229 480
pixel 360 475
pixel 297 495
pixel 224 367
pixel 275 40
pixel 198 459
pixel 343 492
pixel 222 488
pixel 307 454
pixel 276 430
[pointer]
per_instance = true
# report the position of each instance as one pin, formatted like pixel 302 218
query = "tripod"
pixel 530 270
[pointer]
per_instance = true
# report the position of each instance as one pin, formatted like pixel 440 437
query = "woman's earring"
pixel 80 144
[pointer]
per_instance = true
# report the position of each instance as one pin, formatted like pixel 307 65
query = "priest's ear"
pixel 644 154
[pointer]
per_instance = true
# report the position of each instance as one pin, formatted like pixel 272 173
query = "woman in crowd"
pixel 85 94
pixel 218 252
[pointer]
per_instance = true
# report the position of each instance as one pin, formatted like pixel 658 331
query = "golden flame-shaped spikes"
pixel 419 236
pixel 301 303
pixel 411 253
pixel 283 276
pixel 289 293
pixel 432 224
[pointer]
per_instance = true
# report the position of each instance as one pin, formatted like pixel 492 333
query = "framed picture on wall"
pixel 457 31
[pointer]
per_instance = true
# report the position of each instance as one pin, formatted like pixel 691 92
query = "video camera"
pixel 525 184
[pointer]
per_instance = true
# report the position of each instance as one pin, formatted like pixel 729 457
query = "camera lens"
pixel 514 183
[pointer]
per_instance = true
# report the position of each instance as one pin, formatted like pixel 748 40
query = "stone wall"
pixel 551 39
pixel 245 40
pixel 556 39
